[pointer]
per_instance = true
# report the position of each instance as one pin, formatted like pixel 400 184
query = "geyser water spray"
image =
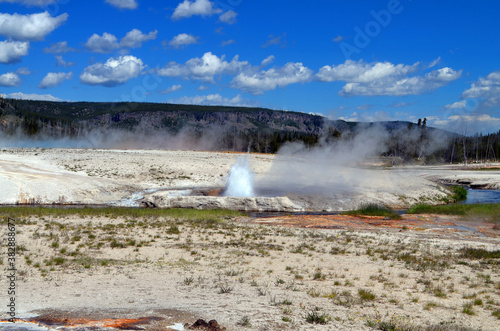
pixel 240 179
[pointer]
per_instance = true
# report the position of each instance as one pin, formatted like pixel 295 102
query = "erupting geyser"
pixel 240 179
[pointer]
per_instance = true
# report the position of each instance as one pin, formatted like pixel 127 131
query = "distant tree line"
pixel 408 142
pixel 259 142
pixel 478 148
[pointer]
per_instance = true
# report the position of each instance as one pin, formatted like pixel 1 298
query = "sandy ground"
pixel 257 274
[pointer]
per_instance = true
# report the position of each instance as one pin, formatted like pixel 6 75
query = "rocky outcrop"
pixel 258 204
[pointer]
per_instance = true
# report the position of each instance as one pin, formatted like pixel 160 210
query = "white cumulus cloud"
pixel 456 105
pixel 24 96
pixel 276 41
pixel 59 48
pixel 62 63
pixel 369 116
pixel 102 44
pixel 53 79
pixel 10 79
pixel 23 71
pixel 478 122
pixel 486 89
pixel 361 72
pixel 385 78
pixel 13 51
pixel 268 60
pixel 213 100
pixel 29 27
pixel 195 8
pixel 228 42
pixel 228 17
pixel 135 38
pixel 204 68
pixel 183 39
pixel 259 82
pixel 171 89
pixel 29 3
pixel 123 4
pixel 108 42
pixel 113 72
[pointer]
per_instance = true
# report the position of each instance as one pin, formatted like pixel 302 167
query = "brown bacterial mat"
pixel 431 225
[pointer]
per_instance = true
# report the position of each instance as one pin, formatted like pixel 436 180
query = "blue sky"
pixel 353 60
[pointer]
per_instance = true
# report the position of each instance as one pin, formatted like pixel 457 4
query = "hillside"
pixel 172 117
pixel 178 126
pixel 230 127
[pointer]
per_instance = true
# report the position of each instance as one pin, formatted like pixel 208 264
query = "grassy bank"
pixel 187 214
pixel 374 210
pixel 489 211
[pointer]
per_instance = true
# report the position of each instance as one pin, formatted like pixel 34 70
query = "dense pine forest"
pixel 229 129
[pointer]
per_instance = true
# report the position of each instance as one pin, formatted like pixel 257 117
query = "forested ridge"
pixel 236 128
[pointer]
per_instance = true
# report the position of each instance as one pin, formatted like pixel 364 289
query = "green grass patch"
pixel 366 295
pixel 374 210
pixel 423 262
pixel 479 253
pixel 59 260
pixel 467 308
pixel 488 211
pixel 315 317
pixel 174 229
pixel 19 212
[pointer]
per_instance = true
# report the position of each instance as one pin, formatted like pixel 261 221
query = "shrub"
pixel 366 295
pixel 314 317
pixel 59 260
pixel 467 309
pixel 245 321
pixel 459 193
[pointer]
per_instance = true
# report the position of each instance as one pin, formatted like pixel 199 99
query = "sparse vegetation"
pixel 225 288
pixel 314 316
pixel 113 212
pixel 366 295
pixel 245 322
pixel 211 253
pixel 467 308
pixel 489 211
pixel 479 253
pixel 374 210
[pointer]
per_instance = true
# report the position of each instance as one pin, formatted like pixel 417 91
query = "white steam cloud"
pixel 323 169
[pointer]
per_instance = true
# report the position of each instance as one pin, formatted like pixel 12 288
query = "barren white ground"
pixel 105 176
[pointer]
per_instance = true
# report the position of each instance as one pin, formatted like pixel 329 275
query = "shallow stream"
pixel 482 196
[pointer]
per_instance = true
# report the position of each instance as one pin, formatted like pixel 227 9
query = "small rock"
pixel 212 325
